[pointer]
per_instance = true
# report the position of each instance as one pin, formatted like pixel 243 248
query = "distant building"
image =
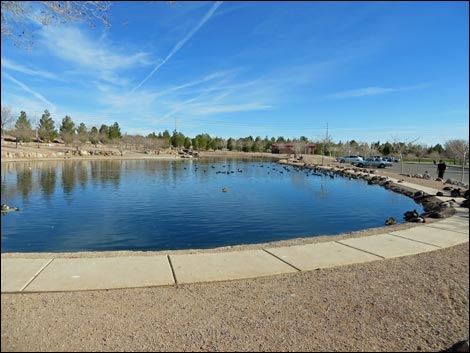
pixel 288 148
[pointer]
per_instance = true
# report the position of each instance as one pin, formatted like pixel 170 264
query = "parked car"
pixel 375 162
pixel 351 159
pixel 392 159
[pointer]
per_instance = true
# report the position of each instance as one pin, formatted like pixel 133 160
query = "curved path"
pixel 72 274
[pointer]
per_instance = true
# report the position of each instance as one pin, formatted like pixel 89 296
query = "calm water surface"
pixel 165 205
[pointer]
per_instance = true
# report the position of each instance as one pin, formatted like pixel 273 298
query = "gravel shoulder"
pixel 413 303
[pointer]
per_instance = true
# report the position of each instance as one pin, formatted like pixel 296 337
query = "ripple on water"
pixel 164 205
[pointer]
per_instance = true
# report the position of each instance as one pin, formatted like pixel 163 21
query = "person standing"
pixel 441 168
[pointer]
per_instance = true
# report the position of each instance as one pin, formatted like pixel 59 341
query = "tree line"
pixel 79 134
pixel 68 131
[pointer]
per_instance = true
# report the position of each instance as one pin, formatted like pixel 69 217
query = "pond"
pixel 145 205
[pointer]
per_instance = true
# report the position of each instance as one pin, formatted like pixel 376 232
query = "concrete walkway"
pixel 61 274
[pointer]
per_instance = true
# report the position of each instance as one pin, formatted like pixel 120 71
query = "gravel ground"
pixel 414 303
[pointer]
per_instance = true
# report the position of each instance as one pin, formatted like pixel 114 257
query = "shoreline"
pixel 60 153
pixel 430 203
pixel 411 303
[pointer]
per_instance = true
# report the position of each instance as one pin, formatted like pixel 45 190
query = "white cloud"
pixel 368 91
pixel 8 64
pixel 205 79
pixel 219 108
pixel 221 78
pixel 98 58
pixel 29 90
pixel 180 44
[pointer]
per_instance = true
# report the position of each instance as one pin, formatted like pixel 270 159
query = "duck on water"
pixel 6 209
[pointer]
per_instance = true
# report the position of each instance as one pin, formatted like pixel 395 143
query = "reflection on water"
pixel 158 205
pixel 47 180
pixel 42 176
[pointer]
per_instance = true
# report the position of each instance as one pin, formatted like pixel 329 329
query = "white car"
pixel 356 160
pixel 375 162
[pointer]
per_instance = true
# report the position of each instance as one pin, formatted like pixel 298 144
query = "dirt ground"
pixel 413 303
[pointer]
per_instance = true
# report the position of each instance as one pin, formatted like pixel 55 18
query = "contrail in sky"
pixel 181 43
pixel 26 88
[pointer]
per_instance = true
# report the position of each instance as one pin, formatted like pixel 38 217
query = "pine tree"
pixel 23 128
pixel 67 130
pixel 93 135
pixel 46 129
pixel 82 133
pixel 114 132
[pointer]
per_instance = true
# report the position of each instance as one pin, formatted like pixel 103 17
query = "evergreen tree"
pixel 387 149
pixel 177 140
pixel 195 142
pixel 438 148
pixel 214 144
pixel 104 129
pixel 204 141
pixel 104 133
pixel 267 143
pixel 258 145
pixel 115 131
pixel 94 135
pixel 46 128
pixel 167 137
pixel 82 133
pixel 187 142
pixel 67 130
pixel 230 144
pixel 23 128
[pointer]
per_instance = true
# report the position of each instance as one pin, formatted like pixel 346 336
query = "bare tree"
pixel 139 142
pixel 222 144
pixel 402 145
pixel 127 140
pixel 419 151
pixel 363 149
pixel 324 142
pixel 373 150
pixel 459 148
pixel 7 118
pixel 299 147
pixel 17 16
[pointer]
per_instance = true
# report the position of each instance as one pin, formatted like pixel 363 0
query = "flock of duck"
pixel 272 167
pixel 311 170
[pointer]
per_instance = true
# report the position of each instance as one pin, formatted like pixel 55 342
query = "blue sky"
pixel 372 71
